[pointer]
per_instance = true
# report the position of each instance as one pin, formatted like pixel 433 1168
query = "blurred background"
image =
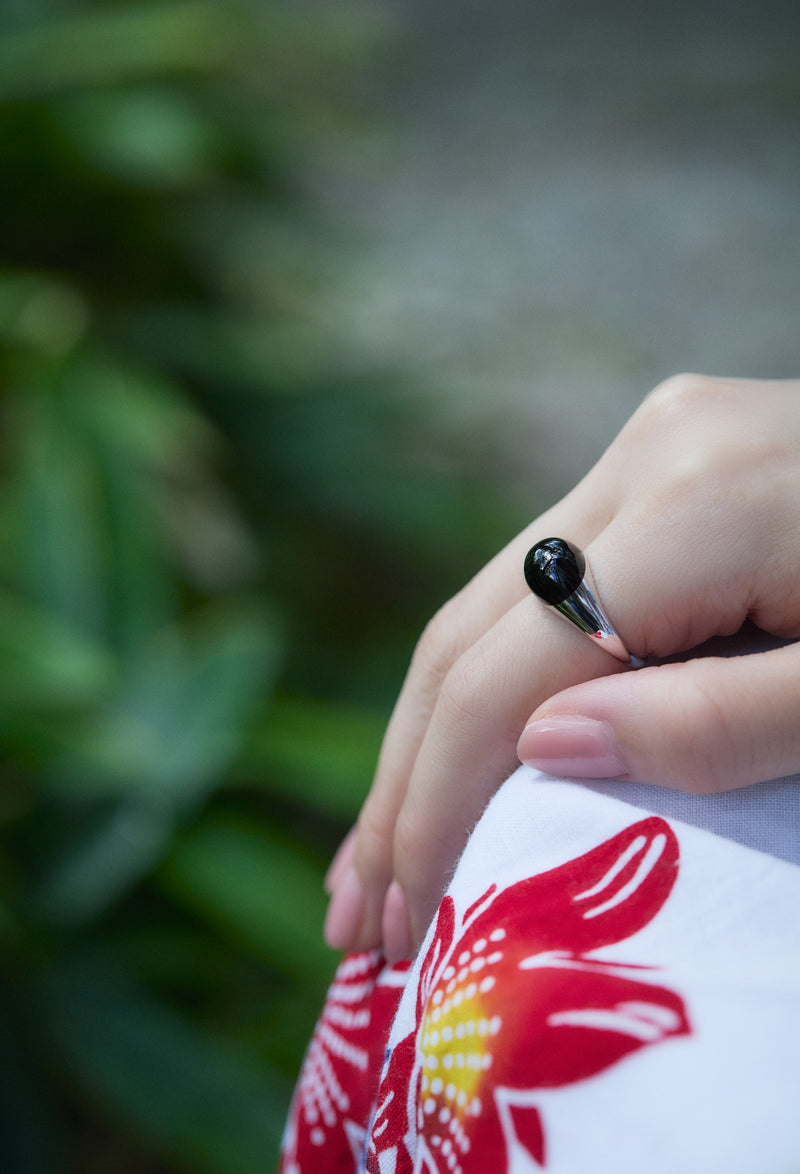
pixel 305 309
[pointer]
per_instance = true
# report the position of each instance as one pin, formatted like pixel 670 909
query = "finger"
pixel 672 580
pixel 672 604
pixel 703 726
pixel 342 860
pixel 459 626
pixel 470 744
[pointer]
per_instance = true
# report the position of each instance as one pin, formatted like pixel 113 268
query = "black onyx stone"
pixel 553 569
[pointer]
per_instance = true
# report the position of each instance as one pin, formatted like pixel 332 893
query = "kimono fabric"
pixel 604 989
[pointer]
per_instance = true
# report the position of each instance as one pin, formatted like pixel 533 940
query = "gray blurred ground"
pixel 581 199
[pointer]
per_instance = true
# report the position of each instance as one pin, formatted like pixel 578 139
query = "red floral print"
pixel 339 1080
pixel 517 1003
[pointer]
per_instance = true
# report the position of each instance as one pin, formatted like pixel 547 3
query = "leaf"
pixel 101 863
pixel 276 355
pixel 59 520
pixel 175 1085
pixel 179 717
pixel 137 417
pixel 148 137
pixel 38 312
pixel 101 449
pixel 321 754
pixel 47 662
pixel 163 745
pixel 258 889
pixel 93 48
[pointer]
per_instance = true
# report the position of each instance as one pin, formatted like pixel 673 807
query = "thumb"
pixel 702 726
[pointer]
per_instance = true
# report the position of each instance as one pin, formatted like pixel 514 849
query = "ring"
pixel 556 571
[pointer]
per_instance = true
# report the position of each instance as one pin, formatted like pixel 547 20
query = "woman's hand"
pixel 691 524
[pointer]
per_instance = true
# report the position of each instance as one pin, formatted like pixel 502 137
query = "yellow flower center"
pixel 457 1041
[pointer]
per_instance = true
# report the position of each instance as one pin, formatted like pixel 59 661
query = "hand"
pixel 691 524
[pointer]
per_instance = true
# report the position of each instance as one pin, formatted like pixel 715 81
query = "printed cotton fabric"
pixel 603 990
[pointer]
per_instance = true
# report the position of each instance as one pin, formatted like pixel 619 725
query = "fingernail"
pixel 345 912
pixel 579 747
pixel 396 941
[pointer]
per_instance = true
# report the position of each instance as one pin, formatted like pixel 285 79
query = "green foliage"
pixel 218 537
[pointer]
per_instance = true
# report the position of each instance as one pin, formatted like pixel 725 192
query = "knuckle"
pixel 703 735
pixel 704 454
pixel 421 863
pixel 678 400
pixel 373 850
pixel 408 844
pixel 466 691
pixel 437 647
pixel 683 391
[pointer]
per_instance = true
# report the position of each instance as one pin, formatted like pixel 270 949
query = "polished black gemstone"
pixel 553 569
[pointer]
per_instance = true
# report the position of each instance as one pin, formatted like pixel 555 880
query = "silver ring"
pixel 556 571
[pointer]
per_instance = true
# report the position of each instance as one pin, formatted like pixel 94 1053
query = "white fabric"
pixel 765 816
pixel 723 1099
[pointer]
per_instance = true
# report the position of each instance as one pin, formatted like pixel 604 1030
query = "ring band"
pixel 556 571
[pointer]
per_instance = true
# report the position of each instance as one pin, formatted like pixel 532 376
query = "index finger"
pixel 356 910
pixel 469 745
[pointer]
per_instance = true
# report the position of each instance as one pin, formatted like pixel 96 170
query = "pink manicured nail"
pixel 345 912
pixel 579 747
pixel 396 941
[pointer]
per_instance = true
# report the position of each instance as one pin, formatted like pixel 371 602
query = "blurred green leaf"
pixel 167 953
pixel 321 754
pixel 256 887
pixel 180 714
pixel 301 46
pixel 136 418
pixel 275 357
pixel 182 431
pixel 39 312
pixel 103 452
pixel 176 1086
pixel 161 746
pixel 90 48
pixel 148 137
pixel 103 861
pixel 46 662
pixel 59 500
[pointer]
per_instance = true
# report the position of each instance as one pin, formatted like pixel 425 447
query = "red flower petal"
pixel 599 898
pixel 340 1074
pixel 437 950
pixel 527 1124
pixel 579 1022
pixel 390 1126
pixel 518 1004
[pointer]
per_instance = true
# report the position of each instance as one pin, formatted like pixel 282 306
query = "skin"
pixel 691 524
